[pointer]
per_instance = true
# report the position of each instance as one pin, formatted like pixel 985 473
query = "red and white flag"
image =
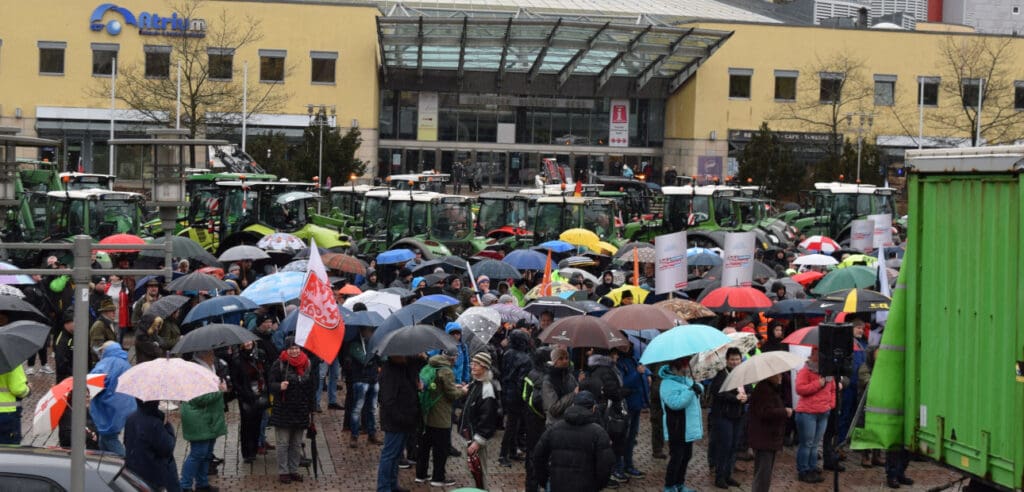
pixel 320 328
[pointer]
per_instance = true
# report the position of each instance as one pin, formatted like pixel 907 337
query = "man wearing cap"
pixel 104 329
pixel 142 304
pixel 575 454
pixel 480 414
pixel 404 279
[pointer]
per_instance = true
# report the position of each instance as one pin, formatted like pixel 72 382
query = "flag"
pixel 636 267
pixel 319 328
pixel 690 218
pixel 546 281
pixel 578 191
pixel 883 285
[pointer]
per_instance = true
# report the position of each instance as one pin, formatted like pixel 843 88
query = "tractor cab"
pixel 94 212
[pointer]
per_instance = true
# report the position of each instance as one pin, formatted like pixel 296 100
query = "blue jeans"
pixel 811 428
pixel 197 464
pixel 332 381
pixel 725 433
pixel 10 427
pixel 387 469
pixel 111 443
pixel 363 408
pixel 626 461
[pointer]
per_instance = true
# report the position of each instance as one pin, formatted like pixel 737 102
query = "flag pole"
pixel 245 99
pixel 177 118
pixel 113 98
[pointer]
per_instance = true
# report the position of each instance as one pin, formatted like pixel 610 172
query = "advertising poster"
pixel 862 235
pixel 883 230
pixel 426 120
pixel 670 271
pixel 709 167
pixel 738 268
pixel 618 123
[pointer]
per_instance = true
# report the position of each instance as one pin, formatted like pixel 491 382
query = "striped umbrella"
pixel 824 244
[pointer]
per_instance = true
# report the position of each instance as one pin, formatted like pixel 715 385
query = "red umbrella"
pixel 53 404
pixel 216 272
pixel 808 336
pixel 725 299
pixel 121 240
pixel 807 278
pixel 350 290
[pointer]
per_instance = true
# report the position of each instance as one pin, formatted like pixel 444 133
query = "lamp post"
pixel 864 123
pixel 318 116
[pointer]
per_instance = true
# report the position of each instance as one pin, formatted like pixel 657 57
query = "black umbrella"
pixel 17 309
pixel 450 264
pixel 417 312
pixel 794 308
pixel 166 305
pixel 399 291
pixel 558 307
pixel 213 336
pixel 183 247
pixel 19 341
pixel 855 301
pixel 415 339
pixel 197 281
pixel 498 270
pixel 303 254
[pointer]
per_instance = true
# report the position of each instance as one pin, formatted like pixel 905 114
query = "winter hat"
pixel 483 278
pixel 69 314
pixel 584 399
pixel 483 358
pixel 558 353
pixel 506 299
pixel 489 299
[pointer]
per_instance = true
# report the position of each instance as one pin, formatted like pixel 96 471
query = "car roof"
pixel 54 463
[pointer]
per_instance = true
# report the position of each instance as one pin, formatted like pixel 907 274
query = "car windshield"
pixel 450 220
pixel 600 218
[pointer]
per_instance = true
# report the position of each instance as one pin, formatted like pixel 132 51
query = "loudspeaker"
pixel 835 348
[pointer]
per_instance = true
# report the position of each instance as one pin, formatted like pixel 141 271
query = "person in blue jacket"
pixel 461 365
pixel 634 378
pixel 109 409
pixel 149 442
pixel 680 401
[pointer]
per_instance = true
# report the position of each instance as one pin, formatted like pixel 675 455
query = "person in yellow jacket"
pixel 13 387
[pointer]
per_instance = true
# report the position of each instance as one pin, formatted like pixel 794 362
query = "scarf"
pixel 300 363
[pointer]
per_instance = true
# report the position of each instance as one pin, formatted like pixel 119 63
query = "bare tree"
pixel 965 61
pixel 207 104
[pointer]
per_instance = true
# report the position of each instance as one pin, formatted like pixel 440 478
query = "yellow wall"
pixel 295 27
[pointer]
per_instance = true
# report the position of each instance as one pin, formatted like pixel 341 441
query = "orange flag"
pixel 546 281
pixel 636 267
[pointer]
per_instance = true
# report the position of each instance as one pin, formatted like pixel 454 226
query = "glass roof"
pixel 549 46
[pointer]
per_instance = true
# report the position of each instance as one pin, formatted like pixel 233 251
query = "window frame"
pixel 738 74
pixel 265 56
pixel 964 94
pixel 156 50
pixel 323 56
pixel 793 75
pixel 1018 95
pixel 832 77
pixel 229 53
pixel 53 46
pixel 928 81
pixel 104 48
pixel 890 80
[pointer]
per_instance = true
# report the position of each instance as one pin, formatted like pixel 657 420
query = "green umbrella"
pixel 847 278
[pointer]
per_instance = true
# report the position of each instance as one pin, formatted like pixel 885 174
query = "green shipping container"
pixel 964 398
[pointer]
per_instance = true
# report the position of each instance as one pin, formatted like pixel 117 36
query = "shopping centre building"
pixel 587 82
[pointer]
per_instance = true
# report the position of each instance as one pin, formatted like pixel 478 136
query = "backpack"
pixel 531 395
pixel 430 395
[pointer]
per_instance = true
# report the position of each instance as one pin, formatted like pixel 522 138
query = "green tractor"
pixel 346 208
pixel 202 183
pixel 555 214
pixel 437 224
pixel 708 212
pixel 507 218
pixel 833 206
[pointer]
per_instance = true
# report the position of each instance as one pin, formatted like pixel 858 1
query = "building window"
pixel 272 66
pixel 1016 10
pixel 885 89
pixel 928 91
pixel 739 83
pixel 158 61
pixel 785 85
pixel 51 57
pixel 221 63
pixel 831 88
pixel 969 89
pixel 324 63
pixel 103 56
pixel 1018 94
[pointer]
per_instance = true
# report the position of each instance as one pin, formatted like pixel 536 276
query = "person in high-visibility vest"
pixel 13 387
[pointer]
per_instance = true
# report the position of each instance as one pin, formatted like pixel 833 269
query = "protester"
pixel 13 387
pixel 817 398
pixel 364 378
pixel 765 429
pixel 635 384
pixel 480 414
pixel 148 344
pixel 515 365
pixel 398 399
pixel 372 281
pixel 559 386
pixel 441 392
pixel 36 295
pixel 248 374
pixel 680 399
pixel 202 422
pixel 104 329
pixel 534 415
pixel 575 454
pixel 149 442
pixel 110 409
pixel 460 367
pixel 292 384
pixel 142 304
pixel 605 382
pixel 727 411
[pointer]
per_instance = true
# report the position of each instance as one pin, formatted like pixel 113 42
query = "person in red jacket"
pixel 817 398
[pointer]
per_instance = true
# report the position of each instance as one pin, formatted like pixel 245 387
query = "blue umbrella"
pixel 219 306
pixel 356 320
pixel 555 246
pixel 278 288
pixel 417 312
pixel 395 256
pixel 683 341
pixel 703 259
pixel 526 259
pixel 441 298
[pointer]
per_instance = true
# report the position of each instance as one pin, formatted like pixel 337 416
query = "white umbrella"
pixel 816 260
pixel 382 303
pixel 761 367
pixel 706 364
pixel 243 252
pixel 167 379
pixel 482 321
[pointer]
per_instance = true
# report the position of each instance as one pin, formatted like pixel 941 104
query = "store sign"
pixel 148 23
pixel 524 101
pixel 618 123
pixel 426 119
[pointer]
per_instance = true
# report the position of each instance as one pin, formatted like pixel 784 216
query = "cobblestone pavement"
pixel 348 469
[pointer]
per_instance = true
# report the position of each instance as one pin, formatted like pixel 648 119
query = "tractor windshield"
pixel 343 202
pixel 286 211
pixel 451 220
pixel 882 203
pixel 600 218
pixel 98 218
pixel 553 218
pixel 678 209
pixel 237 210
pixel 375 214
pixel 492 214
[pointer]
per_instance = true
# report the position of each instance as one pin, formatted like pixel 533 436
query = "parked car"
pixel 29 468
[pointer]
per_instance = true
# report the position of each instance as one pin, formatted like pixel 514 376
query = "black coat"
pixel 515 365
pixel 574 454
pixel 63 354
pixel 292 406
pixel 149 447
pixel 726 404
pixel 766 426
pixel 603 381
pixel 480 414
pixel 399 401
pixel 249 379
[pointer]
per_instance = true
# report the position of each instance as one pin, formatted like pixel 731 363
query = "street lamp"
pixel 318 116
pixel 864 123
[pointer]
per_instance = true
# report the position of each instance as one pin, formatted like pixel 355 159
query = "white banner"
pixel 883 230
pixel 618 123
pixel 738 268
pixel 670 272
pixel 426 117
pixel 862 235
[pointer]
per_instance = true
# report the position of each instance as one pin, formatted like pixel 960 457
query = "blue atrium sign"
pixel 148 23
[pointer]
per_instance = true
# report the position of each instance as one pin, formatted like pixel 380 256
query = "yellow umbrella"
pixel 639 294
pixel 581 237
pixel 608 248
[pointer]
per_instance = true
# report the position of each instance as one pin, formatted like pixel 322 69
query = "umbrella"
pixel 686 309
pixel 435 278
pixel 644 255
pixel 358 320
pixel 7 290
pixel 706 365
pixel 855 301
pixel 243 252
pixel 216 307
pixel 344 263
pixel 510 313
pixel 558 307
pixel 761 270
pixel 552 289
pixel 725 299
pixel 166 305
pixel 412 340
pixel 605 248
pixel 807 278
pixel 395 256
pixel 584 331
pixel 121 240
pixel 683 341
pixel 809 336
pixel 815 260
pixel 441 298
pixel 794 308
pixel 761 367
pixel 14 279
pixel 863 260
pixel 303 254
pixel 195 282
pixel 639 294
pixel 581 237
pixel 847 278
pixel 349 290
pixel 823 244
pixel 577 261
pixel 495 269
pixel 167 378
pixel 19 341
pixel 629 247
pixel 213 336
pixel 417 312
pixel 592 308
pixel 53 403
pixel 703 259
pixel 526 259
pixel 569 272
pixel 401 292
pixel 211 270
pixel 181 247
pixel 278 288
pixel 280 242
pixel 483 322
pixel 555 246
pixel 642 317
pixel 296 266
pixel 382 303
pixel 450 264
pixel 18 309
